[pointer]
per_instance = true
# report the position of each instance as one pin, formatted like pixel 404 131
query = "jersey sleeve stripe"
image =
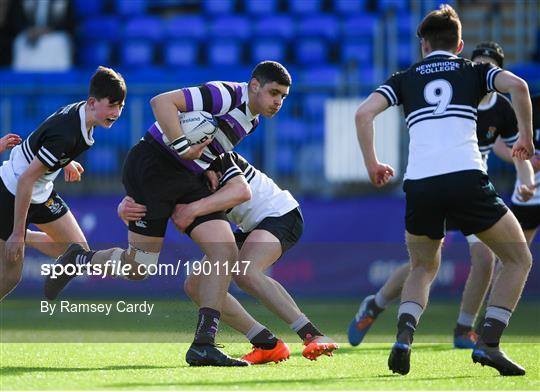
pixel 189 99
pixel 43 158
pixel 49 154
pixel 231 173
pixel 390 91
pixel 217 100
pixel 232 102
pixel 491 78
pixel 27 152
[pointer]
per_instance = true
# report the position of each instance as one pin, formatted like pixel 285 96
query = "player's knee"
pixel 482 259
pixel 248 282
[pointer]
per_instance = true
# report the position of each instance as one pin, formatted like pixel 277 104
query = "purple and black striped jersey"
pixel 227 101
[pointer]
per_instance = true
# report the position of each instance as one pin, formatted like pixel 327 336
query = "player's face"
pixel 105 112
pixel 269 97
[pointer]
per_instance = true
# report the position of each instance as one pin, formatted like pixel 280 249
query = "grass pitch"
pixel 136 364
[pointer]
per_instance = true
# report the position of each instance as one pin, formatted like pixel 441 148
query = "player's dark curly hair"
pixel 271 71
pixel 107 83
pixel 441 28
pixel 489 49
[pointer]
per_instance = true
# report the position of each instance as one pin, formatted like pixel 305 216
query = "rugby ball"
pixel 198 126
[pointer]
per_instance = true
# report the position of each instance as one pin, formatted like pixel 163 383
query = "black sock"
pixel 375 310
pixel 84 257
pixel 462 329
pixel 265 340
pixel 406 328
pixel 207 326
pixel 308 329
pixel 492 330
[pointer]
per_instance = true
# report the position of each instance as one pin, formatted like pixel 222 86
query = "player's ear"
pixel 460 46
pixel 254 85
pixel 91 101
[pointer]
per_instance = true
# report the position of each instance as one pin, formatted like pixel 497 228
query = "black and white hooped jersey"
pixel 56 142
pixel 495 118
pixel 227 101
pixel 440 95
pixel 267 199
pixel 535 200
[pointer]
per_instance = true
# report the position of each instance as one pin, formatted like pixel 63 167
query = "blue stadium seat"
pixel 218 6
pixel 103 28
pixel 396 5
pixel 181 52
pixel 311 51
pixel 261 7
pixel 290 130
pixel 144 27
pixel 93 53
pixel 85 8
pixel 275 27
pixel 405 54
pixel 130 7
pixel 102 160
pixel 305 6
pixel 224 53
pixel 268 50
pixel 363 26
pixel 322 26
pixel 193 27
pixel 348 7
pixel 231 27
pixel 313 106
pixel 327 76
pixel 286 160
pixel 135 53
pixel 358 51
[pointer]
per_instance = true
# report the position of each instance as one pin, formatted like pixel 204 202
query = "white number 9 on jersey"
pixel 438 92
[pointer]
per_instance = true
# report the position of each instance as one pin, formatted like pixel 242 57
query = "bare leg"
pixel 263 249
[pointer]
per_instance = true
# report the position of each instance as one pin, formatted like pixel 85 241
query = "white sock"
pixel 497 313
pixel 299 323
pixel 380 301
pixel 466 319
pixel 411 308
pixel 254 330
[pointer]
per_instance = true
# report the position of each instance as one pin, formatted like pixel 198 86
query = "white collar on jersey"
pixel 87 135
pixel 249 115
pixel 441 53
pixel 490 103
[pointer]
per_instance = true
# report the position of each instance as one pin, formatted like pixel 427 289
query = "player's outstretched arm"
pixel 9 141
pixel 235 191
pixel 518 89
pixel 379 173
pixel 15 244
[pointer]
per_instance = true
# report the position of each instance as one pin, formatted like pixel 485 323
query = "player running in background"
pixel 496 122
pixel 527 212
pixel 446 178
pixel 39 239
pixel 26 186
pixel 269 224
pixel 160 175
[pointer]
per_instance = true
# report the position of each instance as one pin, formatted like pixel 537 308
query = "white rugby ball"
pixel 198 126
